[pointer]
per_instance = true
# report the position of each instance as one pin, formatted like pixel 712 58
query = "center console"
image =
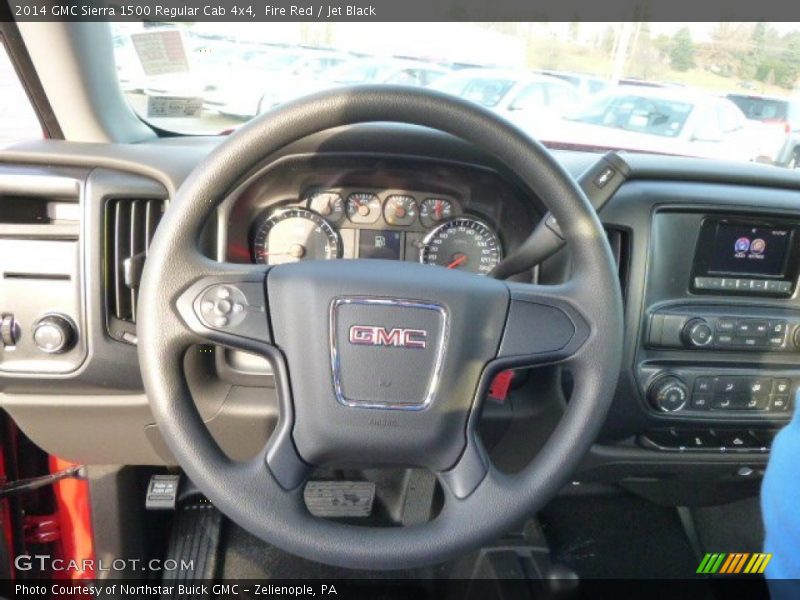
pixel 718 363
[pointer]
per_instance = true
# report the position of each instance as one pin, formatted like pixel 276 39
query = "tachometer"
pixel 293 234
pixel 463 243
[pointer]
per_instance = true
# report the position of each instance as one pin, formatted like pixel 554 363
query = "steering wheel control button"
pixel 54 334
pixel 238 309
pixel 216 306
pixel 669 394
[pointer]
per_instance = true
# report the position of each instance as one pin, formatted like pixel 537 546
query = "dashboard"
pixel 453 216
pixel 707 256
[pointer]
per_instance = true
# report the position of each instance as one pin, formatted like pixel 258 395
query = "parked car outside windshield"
pixel 644 87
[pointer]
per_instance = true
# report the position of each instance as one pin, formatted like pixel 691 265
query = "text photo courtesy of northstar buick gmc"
pixel 311 301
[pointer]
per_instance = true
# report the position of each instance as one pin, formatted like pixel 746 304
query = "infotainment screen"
pixel 750 251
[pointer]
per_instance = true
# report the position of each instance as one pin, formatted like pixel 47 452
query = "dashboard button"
pixel 54 334
pixel 777 327
pixel 708 283
pixel 759 285
pixel 760 386
pixel 704 385
pixel 726 325
pixel 697 438
pixel 776 341
pixel 728 284
pixel 701 401
pixel 779 404
pixel 727 385
pixel 668 394
pixel 725 339
pixel 757 403
pixel 745 327
pixel 781 386
pixel 742 284
pixel 697 333
pixel 736 439
pixel 761 328
pixel 723 402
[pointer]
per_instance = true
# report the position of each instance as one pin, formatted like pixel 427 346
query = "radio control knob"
pixel 54 334
pixel 697 333
pixel 668 394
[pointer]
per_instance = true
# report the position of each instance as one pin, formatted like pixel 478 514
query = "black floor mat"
pixel 247 557
pixel 716 530
pixel 618 536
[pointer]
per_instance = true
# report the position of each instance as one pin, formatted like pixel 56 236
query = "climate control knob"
pixel 668 394
pixel 54 334
pixel 697 333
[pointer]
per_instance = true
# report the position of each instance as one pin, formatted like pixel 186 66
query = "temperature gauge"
pixel 400 210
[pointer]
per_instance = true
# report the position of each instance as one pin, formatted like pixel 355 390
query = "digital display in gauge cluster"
pixel 385 224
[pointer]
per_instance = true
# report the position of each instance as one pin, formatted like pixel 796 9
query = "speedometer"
pixel 463 243
pixel 293 234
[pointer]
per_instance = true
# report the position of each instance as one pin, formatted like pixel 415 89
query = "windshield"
pixel 710 90
pixel 651 116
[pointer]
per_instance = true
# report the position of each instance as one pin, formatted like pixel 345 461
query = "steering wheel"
pixel 377 363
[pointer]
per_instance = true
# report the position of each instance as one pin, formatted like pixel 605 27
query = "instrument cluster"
pixel 393 224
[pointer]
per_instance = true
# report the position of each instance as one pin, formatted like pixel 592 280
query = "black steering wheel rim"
pixel 253 493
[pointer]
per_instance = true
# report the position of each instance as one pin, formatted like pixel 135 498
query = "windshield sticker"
pixel 173 107
pixel 161 52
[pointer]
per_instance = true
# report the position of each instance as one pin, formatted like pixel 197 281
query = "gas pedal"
pixel 194 546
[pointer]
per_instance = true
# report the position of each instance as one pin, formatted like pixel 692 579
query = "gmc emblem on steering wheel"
pixel 372 335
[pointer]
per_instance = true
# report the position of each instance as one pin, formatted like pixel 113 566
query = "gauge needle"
pixel 297 251
pixel 437 209
pixel 461 259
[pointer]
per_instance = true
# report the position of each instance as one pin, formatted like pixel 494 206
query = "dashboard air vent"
pixel 130 226
pixel 619 240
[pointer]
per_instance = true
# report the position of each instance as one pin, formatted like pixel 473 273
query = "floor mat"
pixel 716 534
pixel 247 557
pixel 617 536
